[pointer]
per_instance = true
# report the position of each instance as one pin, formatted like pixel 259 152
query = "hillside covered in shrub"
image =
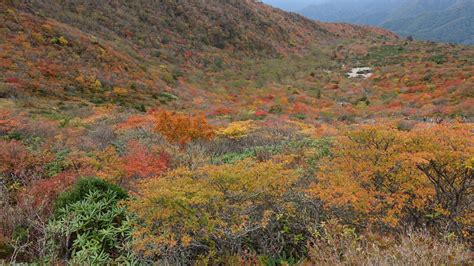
pixel 228 132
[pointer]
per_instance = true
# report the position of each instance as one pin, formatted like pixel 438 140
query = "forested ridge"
pixel 435 20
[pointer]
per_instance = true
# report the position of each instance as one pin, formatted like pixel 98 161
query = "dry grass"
pixel 341 246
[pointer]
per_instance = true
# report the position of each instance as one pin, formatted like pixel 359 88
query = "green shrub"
pixel 59 41
pixel 166 97
pixel 13 136
pixel 177 73
pixel 6 249
pixel 364 99
pixel 90 227
pixel 98 100
pixel 276 109
pixel 218 64
pixel 439 59
pixel 141 108
pixel 58 165
pixel 156 53
pixel 300 116
pixel 168 78
pixel 234 156
pixel 83 187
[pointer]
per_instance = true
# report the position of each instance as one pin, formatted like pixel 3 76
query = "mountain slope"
pixel 94 50
pixel 241 26
pixel 438 20
pixel 224 58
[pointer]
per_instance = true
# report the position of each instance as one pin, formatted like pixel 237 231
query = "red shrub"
pixel 13 80
pixel 41 193
pixel 7 123
pixel 141 162
pixel 222 111
pixel 260 113
pixel 18 165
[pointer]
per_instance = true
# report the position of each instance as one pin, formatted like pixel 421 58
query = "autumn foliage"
pixel 181 128
pixel 18 165
pixel 394 177
pixel 140 162
pixel 209 211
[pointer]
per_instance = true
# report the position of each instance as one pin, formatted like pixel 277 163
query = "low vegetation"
pixel 183 137
pixel 260 193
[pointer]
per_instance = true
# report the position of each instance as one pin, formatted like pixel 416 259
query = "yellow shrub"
pixel 237 130
pixel 119 91
pixel 211 207
pixel 97 86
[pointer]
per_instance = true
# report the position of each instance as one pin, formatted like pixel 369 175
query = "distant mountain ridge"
pixel 437 20
pixel 453 24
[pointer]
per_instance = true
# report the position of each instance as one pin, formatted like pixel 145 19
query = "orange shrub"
pixel 390 177
pixel 181 128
